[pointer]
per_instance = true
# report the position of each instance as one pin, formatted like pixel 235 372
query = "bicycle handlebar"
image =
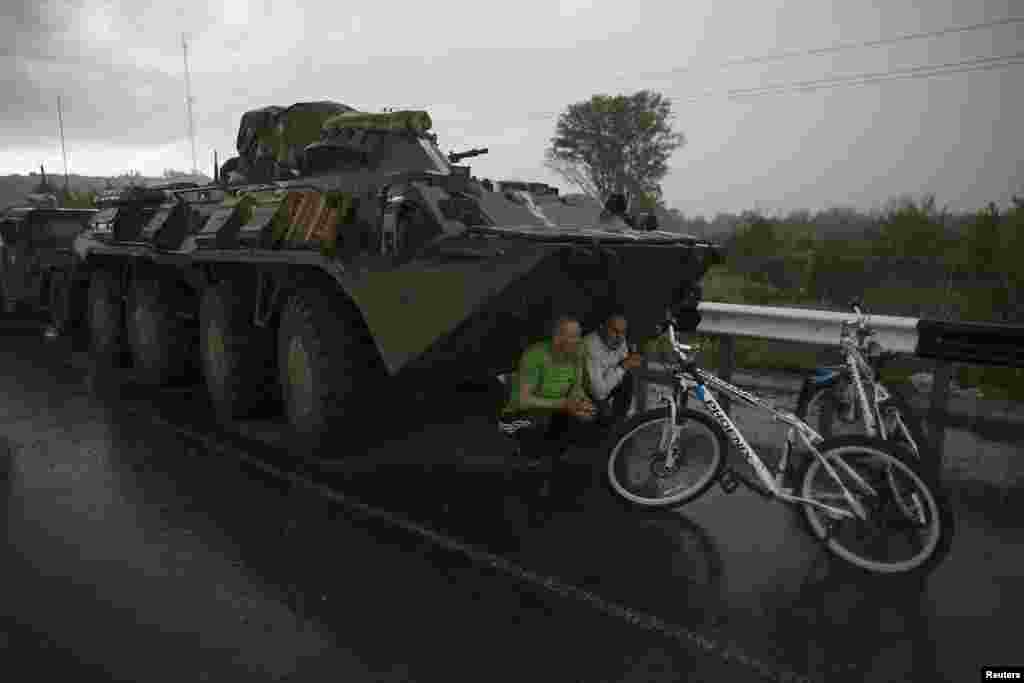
pixel 670 327
pixel 669 321
pixel 861 322
pixel 681 350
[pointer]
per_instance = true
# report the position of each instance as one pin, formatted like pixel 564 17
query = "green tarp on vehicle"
pixel 254 124
pixel 298 126
pixel 412 121
pixel 279 134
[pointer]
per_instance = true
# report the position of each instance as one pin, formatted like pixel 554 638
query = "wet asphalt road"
pixel 138 551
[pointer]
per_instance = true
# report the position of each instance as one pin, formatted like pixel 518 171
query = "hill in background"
pixel 14 188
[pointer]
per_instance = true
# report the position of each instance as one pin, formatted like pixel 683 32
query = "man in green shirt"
pixel 547 398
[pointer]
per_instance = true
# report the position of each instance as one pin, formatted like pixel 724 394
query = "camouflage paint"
pixel 409 308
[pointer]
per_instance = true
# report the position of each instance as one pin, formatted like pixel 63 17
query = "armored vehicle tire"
pixel 237 357
pixel 65 304
pixel 8 304
pixel 106 316
pixel 321 355
pixel 161 342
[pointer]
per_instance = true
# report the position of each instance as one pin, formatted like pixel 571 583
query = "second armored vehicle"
pixel 35 254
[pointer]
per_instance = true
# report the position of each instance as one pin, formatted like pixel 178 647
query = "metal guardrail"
pixel 944 342
pixel 808 326
pixel 956 342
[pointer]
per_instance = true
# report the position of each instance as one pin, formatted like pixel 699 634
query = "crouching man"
pixel 547 401
pixel 609 366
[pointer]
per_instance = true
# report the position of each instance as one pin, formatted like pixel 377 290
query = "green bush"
pixel 724 285
pixel 913 260
pixel 994 382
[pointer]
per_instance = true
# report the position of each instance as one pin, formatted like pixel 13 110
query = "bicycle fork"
pixel 860 394
pixel 855 505
pixel 913 511
pixel 670 433
pixel 900 427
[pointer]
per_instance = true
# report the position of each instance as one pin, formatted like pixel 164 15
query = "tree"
pixel 132 177
pixel 698 226
pixel 615 144
pixel 990 254
pixel 836 272
pixel 574 175
pixel 673 220
pixel 915 234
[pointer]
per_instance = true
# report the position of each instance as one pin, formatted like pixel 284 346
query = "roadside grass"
pixel 725 286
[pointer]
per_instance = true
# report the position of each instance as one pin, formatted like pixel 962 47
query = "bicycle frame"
pixel 855 364
pixel 797 427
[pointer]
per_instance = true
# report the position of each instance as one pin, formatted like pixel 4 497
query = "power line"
pixel 980 64
pixel 809 86
pixel 869 81
pixel 779 56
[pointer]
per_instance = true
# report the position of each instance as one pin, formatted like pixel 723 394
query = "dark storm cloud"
pixel 46 50
pixel 100 102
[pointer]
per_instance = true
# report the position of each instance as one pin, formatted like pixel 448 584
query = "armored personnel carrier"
pixel 341 248
pixel 35 254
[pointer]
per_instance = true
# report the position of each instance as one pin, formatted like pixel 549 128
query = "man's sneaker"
pixel 521 460
pixel 513 425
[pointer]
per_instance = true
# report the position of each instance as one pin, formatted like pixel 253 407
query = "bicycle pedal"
pixel 728 481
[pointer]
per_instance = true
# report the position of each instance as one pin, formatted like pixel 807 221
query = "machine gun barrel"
pixel 456 157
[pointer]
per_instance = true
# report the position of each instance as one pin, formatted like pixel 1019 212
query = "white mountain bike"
pixel 862 496
pixel 850 398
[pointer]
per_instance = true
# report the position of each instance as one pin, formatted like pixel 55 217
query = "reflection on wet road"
pixel 200 567
pixel 132 554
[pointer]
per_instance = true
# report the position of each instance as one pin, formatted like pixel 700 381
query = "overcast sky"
pixel 497 74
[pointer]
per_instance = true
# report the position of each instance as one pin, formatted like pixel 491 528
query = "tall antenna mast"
pixel 188 104
pixel 63 151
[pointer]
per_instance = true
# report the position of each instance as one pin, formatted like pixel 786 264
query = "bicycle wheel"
pixel 910 519
pixel 639 473
pixel 918 443
pixel 833 410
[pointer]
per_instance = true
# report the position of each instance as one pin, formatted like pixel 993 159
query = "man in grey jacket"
pixel 609 363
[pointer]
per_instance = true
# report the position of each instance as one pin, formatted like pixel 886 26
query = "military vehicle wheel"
pixel 64 314
pixel 8 304
pixel 320 356
pixel 106 315
pixel 237 356
pixel 161 341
